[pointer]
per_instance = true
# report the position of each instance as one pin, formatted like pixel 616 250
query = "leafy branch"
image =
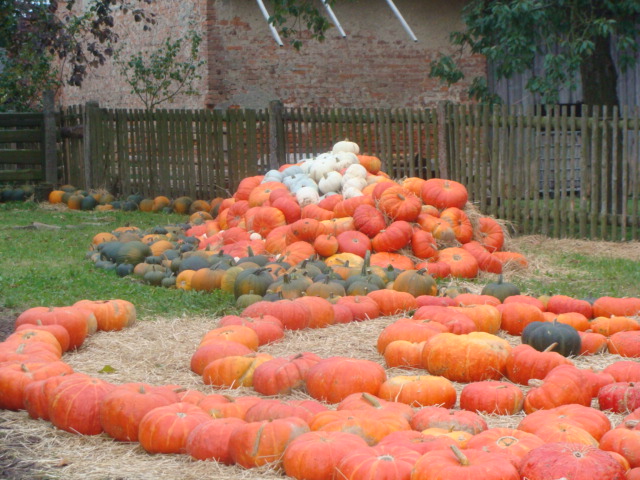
pixel 159 76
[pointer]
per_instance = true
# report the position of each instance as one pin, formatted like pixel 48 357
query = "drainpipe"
pixel 274 32
pixel 333 17
pixel 402 20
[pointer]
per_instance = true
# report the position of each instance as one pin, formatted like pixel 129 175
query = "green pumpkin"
pixel 194 262
pixel 133 252
pixel 154 277
pixel 124 269
pixel 246 299
pixel 88 203
pixel 500 289
pixel 541 335
pixel 169 282
pixel 256 280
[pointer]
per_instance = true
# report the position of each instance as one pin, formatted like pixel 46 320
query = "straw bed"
pixel 159 352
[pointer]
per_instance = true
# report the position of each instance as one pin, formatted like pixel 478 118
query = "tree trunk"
pixel 599 87
pixel 599 76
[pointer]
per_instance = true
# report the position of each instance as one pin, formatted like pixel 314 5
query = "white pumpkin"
pixel 289 181
pixel 356 171
pixel 304 183
pixel 345 159
pixel 273 176
pixel 255 236
pixel 306 165
pixel 292 171
pixel 351 192
pixel 330 182
pixel 307 196
pixel 346 146
pixel 353 182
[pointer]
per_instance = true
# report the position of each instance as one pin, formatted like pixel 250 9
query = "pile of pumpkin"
pixel 337 208
pixel 401 427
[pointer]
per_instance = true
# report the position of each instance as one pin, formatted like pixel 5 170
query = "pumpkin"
pixel 404 354
pixel 165 429
pixel 396 236
pixel 439 417
pixel 442 193
pixel 74 405
pixel 413 330
pixel 234 371
pixel 490 234
pixel 206 354
pixel 453 464
pixel 466 358
pixel 376 405
pixel 624 371
pixel 415 282
pixel 419 390
pixel 315 455
pixel 123 408
pixel 15 377
pixel 525 363
pixel 565 432
pixel 612 306
pixel 399 204
pixel 625 344
pixel 541 335
pixel 515 443
pixel 260 443
pixel 210 440
pixel 284 374
pixel 563 385
pixel 368 220
pixel 372 425
pixel 382 461
pixel 461 262
pixel 334 378
pixel 417 441
pixel 232 333
pixel 516 317
pixel 501 289
pixel 608 326
pixel 110 314
pixel 571 461
pixel 625 442
pixel 492 397
pixel 619 397
pixel 593 421
pixel 271 408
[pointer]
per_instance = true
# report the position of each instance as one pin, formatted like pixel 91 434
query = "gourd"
pixel 541 335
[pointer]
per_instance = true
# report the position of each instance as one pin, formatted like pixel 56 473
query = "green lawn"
pixel 49 266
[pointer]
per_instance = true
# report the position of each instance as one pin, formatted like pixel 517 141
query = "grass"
pixel 48 266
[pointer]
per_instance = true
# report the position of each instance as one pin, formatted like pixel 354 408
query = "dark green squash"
pixel 500 289
pixel 256 280
pixel 541 335
pixel 133 252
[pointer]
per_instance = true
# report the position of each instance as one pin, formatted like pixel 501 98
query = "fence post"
pixel 276 138
pixel 87 147
pixel 443 144
pixel 49 147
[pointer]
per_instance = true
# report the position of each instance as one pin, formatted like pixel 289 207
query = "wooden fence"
pixel 551 171
pixel 28 145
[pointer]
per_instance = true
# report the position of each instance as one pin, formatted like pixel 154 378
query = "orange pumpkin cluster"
pixel 398 426
pixel 411 224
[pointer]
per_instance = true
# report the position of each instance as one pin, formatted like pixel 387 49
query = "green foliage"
pixel 292 16
pixel 158 76
pixel 45 43
pixel 510 33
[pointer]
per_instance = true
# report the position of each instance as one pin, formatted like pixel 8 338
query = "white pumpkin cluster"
pixel 330 173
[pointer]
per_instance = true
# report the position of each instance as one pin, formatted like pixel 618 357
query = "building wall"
pixel 106 84
pixel 376 65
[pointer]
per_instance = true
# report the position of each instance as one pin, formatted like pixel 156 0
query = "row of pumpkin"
pixel 251 431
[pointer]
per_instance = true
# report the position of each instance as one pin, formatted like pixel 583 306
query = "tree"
pixel 159 76
pixel 573 37
pixel 45 43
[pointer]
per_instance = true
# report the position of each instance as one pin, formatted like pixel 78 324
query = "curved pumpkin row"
pixel 172 405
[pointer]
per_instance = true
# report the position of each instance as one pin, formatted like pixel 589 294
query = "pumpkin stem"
pixel 372 400
pixel 462 458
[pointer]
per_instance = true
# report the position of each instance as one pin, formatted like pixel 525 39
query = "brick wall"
pixel 107 86
pixel 376 65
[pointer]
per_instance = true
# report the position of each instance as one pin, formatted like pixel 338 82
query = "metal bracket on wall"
pixel 404 24
pixel 333 17
pixel 266 15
